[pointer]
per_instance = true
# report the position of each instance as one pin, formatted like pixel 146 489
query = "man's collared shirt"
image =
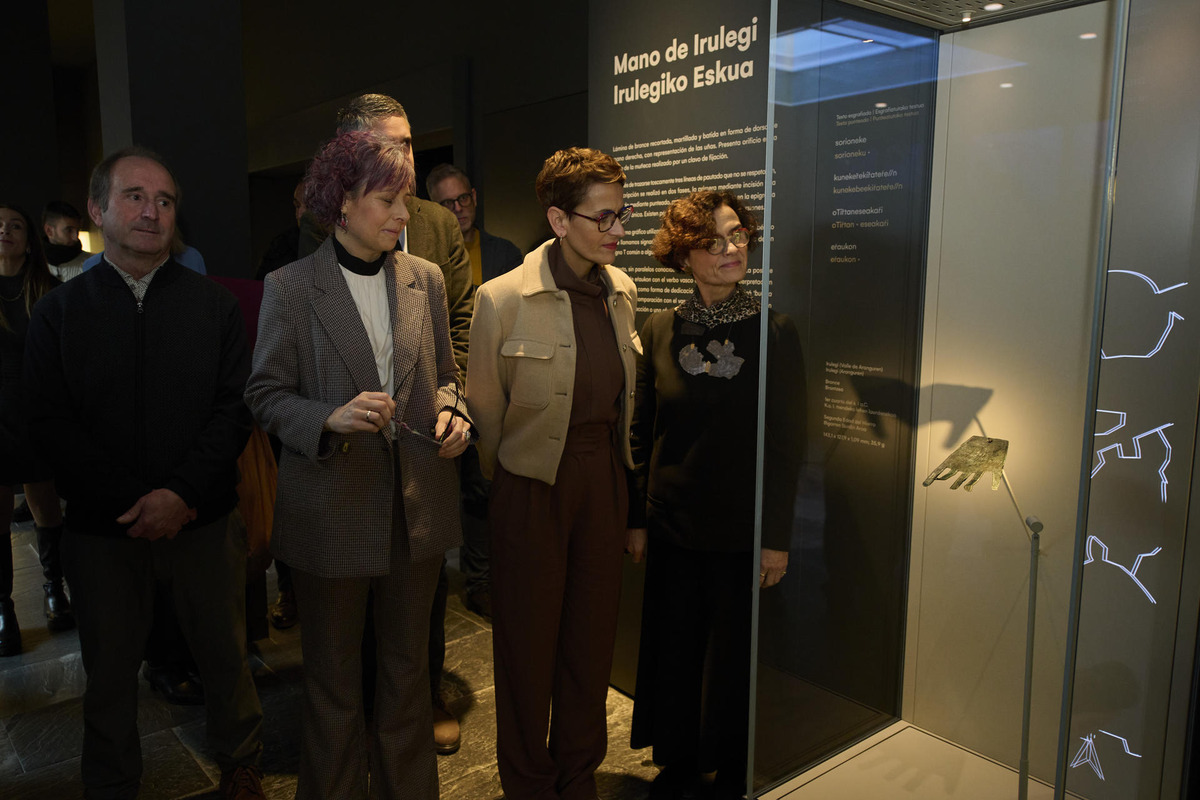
pixel 138 287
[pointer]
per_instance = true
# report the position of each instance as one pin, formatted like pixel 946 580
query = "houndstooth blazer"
pixel 333 509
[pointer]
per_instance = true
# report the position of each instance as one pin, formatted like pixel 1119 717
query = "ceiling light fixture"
pixel 993 6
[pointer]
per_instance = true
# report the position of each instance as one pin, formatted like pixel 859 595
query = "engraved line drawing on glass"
pixel 1171 316
pixel 1132 573
pixel 1088 754
pixel 1119 447
pixel 1124 742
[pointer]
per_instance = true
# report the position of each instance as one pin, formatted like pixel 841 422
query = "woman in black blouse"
pixel 694 436
pixel 24 278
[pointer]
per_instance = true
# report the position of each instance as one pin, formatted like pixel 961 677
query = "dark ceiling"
pixel 948 15
pixel 72 26
pixel 72 33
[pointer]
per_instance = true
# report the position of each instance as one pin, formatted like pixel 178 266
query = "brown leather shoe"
pixel 285 614
pixel 446 734
pixel 242 783
pixel 175 684
pixel 480 602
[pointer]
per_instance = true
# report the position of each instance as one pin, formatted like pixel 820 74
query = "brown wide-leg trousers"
pixel 335 753
pixel 556 580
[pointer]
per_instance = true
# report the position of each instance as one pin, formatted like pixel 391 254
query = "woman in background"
pixel 695 429
pixel 24 278
pixel 550 385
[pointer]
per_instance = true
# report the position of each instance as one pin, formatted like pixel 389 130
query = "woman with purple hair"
pixel 354 372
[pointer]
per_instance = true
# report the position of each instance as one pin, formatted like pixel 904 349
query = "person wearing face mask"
pixel 61 223
pixel 695 425
pixel 354 372
pixel 550 386
pixel 24 279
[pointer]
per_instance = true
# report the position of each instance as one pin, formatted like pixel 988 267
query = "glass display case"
pixel 942 226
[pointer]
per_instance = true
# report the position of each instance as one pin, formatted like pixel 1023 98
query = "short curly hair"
pixel 354 162
pixel 567 175
pixel 687 225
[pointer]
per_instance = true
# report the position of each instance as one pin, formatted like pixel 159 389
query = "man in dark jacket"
pixel 136 371
pixel 491 256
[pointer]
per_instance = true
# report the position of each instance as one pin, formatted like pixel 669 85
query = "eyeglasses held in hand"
pixel 739 238
pixel 464 200
pixel 437 440
pixel 608 218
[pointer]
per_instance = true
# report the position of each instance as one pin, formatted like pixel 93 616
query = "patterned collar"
pixel 137 285
pixel 738 306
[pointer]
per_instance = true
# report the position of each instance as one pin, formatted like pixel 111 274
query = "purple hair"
pixel 354 162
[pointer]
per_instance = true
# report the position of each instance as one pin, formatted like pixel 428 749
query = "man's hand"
pixel 635 543
pixel 157 514
pixel 772 567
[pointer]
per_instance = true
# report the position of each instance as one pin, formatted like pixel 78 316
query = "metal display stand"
pixel 978 455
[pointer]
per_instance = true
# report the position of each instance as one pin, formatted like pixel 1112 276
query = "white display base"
pixel 903 761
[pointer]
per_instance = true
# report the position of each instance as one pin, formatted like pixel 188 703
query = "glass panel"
pixel 1019 165
pixel 853 106
pixel 1126 732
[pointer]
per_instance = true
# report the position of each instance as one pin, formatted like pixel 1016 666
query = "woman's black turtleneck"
pixel 357 265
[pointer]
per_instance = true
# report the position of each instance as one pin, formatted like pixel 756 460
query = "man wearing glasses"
pixel 490 255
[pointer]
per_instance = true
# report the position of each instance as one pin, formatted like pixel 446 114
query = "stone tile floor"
pixel 41 721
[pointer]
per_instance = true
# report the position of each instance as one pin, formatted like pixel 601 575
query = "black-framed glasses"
pixel 437 440
pixel 404 426
pixel 739 238
pixel 464 200
pixel 608 218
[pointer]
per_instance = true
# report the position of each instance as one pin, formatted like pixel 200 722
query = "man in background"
pixel 285 247
pixel 61 222
pixel 491 256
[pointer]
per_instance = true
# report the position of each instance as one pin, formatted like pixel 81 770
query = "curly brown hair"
pixel 687 224
pixel 568 174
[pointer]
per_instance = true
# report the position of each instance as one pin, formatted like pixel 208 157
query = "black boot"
pixel 10 631
pixel 57 607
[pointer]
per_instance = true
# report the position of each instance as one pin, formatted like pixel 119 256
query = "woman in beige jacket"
pixel 550 388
